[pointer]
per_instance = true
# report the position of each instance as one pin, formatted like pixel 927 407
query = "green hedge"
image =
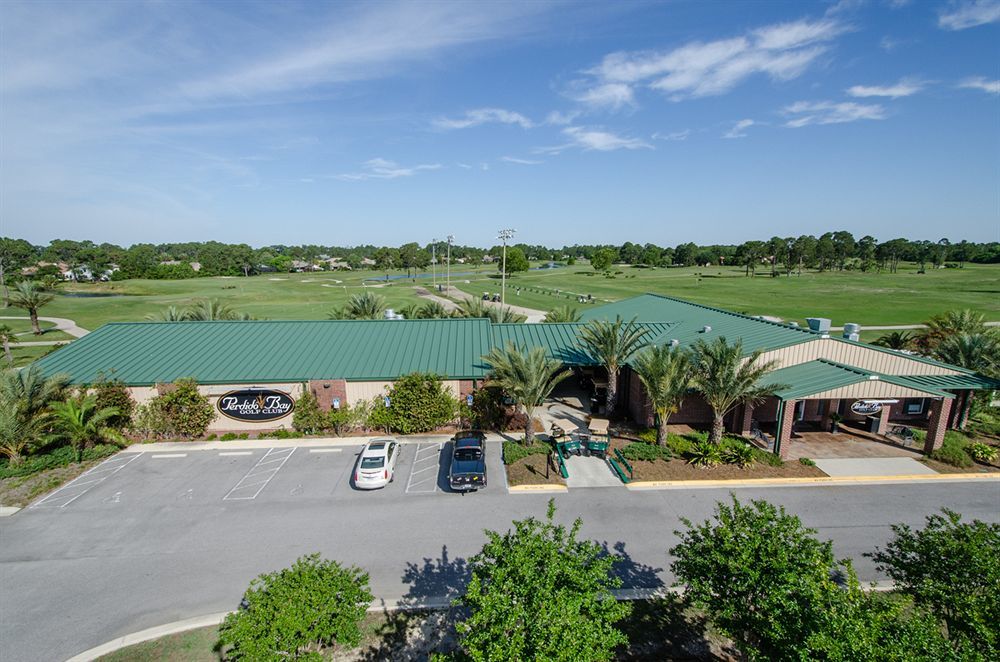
pixel 952 450
pixel 641 450
pixel 60 457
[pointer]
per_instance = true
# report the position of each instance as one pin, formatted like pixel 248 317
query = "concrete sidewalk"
pixel 263 444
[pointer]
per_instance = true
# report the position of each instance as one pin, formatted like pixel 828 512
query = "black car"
pixel 468 461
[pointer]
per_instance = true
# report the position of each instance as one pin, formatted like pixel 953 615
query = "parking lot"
pixel 266 474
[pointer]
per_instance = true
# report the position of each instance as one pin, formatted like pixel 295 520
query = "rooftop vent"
pixel 852 331
pixel 793 323
pixel 674 342
pixel 820 324
pixel 706 329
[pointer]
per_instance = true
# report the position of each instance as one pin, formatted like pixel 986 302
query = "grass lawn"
pixel 21 490
pixel 22 326
pixel 25 355
pixel 866 298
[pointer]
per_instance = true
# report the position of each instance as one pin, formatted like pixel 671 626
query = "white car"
pixel 376 464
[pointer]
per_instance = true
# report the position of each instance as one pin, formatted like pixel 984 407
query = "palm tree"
pixel 528 378
pixel 478 309
pixel 81 422
pixel 168 314
pixel 209 310
pixel 364 306
pixel 896 340
pixel 975 351
pixel 16 434
pixel 7 337
pixel 950 323
pixel 432 310
pixel 666 374
pixel 30 296
pixel 613 344
pixel 562 314
pixel 29 393
pixel 726 378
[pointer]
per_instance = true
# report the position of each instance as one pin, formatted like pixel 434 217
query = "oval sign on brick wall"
pixel 256 405
pixel 866 407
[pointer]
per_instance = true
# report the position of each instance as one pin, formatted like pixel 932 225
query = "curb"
pixel 7 511
pixel 535 489
pixel 829 480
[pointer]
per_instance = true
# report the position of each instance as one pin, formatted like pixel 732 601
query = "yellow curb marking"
pixel 537 488
pixel 818 479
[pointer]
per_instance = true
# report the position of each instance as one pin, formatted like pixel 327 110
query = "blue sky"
pixel 573 122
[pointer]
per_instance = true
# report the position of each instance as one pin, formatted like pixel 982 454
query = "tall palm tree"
pixel 613 344
pixel 948 324
pixel 209 310
pixel 7 337
pixel 666 374
pixel 364 306
pixel 726 378
pixel 80 422
pixel 527 377
pixel 168 314
pixel 30 296
pixel 975 351
pixel 562 314
pixel 896 340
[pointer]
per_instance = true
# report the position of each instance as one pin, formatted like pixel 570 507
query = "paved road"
pixel 62 324
pixel 534 316
pixel 151 538
pixel 897 327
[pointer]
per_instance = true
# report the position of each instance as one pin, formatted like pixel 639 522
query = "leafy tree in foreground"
pixel 539 593
pixel 726 378
pixel 666 374
pixel 771 586
pixel 528 378
pixel 418 403
pixel 562 314
pixel 294 613
pixel 953 569
pixel 183 410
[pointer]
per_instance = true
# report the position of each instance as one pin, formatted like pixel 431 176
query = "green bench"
pixel 562 462
pixel 618 470
pixel 625 463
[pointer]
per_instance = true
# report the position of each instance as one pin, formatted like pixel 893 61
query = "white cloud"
pixel 804 113
pixel 484 116
pixel 589 139
pixel 889 44
pixel 511 159
pixel 904 88
pixel 739 129
pixel 379 168
pixel 980 83
pixel 464 166
pixel 969 13
pixel 675 135
pixel 558 118
pixel 697 69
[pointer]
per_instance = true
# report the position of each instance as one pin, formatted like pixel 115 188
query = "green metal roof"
pixel 688 319
pixel 561 341
pixel 965 381
pixel 146 353
pixel 812 377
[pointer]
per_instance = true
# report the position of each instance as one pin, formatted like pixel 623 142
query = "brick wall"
pixel 325 390
pixel 785 429
pixel 937 424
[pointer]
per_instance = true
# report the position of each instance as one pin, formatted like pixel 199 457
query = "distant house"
pixel 336 263
pixel 367 262
pixel 301 265
pixel 489 259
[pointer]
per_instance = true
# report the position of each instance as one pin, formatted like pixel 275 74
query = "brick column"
pixel 745 420
pixel 326 390
pixel 937 424
pixel 831 408
pixel 784 428
pixel 963 413
pixel 883 420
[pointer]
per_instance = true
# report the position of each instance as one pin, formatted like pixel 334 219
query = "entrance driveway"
pixel 846 444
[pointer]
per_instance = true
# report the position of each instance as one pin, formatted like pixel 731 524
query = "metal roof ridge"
pixel 728 312
pixel 915 357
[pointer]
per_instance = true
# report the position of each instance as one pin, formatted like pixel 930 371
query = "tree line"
pixel 778 255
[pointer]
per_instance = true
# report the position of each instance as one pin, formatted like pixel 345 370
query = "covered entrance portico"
pixel 816 394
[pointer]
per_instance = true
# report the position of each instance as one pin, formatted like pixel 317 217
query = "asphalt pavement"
pixel 155 537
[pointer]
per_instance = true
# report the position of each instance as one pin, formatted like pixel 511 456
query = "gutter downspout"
pixel 777 431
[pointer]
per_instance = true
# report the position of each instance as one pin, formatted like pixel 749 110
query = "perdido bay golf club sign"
pixel 866 407
pixel 256 405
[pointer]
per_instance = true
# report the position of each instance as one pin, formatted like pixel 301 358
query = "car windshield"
pixel 372 462
pixel 468 454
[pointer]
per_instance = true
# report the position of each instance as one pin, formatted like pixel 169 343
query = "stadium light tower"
pixel 451 240
pixel 505 234
pixel 434 271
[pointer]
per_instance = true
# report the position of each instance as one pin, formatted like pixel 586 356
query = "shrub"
pixel 186 412
pixel 60 457
pixel 805 461
pixel 649 452
pixel 986 422
pixel 308 417
pixel 114 393
pixel 539 593
pixel 490 412
pixel 229 436
pixel 704 454
pixel 295 612
pixel 678 445
pixel 515 450
pixel 341 419
pixel 952 450
pixel 953 569
pixel 282 433
pixel 149 422
pixel 740 454
pixel 418 403
pixel 981 452
pixel 211 437
pixel 768 458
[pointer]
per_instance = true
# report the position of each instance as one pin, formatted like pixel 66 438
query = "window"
pixel 372 462
pixel 913 406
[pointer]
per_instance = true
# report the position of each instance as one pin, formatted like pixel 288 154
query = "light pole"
pixel 451 240
pixel 434 270
pixel 505 234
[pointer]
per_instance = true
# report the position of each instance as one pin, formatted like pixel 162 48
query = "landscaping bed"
pixel 680 470
pixel 526 465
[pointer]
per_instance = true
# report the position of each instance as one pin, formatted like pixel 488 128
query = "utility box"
pixel 820 324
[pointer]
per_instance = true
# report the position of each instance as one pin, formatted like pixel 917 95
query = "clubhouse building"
pixel 254 371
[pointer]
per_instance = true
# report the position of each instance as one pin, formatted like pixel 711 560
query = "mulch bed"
pixel 531 471
pixel 680 470
pixel 976 468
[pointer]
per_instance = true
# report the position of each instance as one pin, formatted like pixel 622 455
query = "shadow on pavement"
pixel 632 573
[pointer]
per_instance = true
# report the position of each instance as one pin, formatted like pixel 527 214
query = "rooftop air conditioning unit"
pixel 820 324
pixel 852 331
pixel 706 329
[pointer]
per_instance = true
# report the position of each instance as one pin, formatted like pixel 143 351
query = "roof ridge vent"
pixel 706 329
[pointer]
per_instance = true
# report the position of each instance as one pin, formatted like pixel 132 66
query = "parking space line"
pixel 426 458
pixel 228 453
pixel 76 488
pixel 265 470
pixel 326 450
pixel 165 455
